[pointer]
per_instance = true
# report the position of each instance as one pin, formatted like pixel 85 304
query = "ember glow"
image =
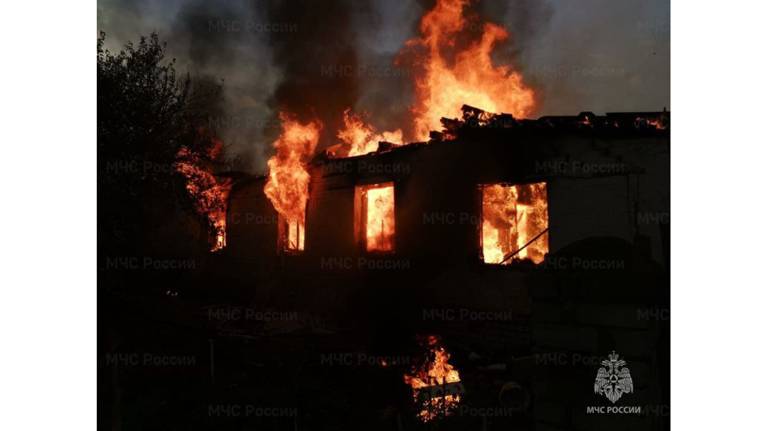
pixel 513 216
pixel 291 234
pixel 657 123
pixel 435 383
pixel 207 192
pixel 377 216
pixel 444 84
pixel 288 183
pixel 360 138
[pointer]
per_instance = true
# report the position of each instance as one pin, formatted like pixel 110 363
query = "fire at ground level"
pixel 207 350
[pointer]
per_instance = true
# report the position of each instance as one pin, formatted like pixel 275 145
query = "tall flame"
pixel 429 383
pixel 208 194
pixel 380 218
pixel 288 183
pixel 448 73
pixel 443 86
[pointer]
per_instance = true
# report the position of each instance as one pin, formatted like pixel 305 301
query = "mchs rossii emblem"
pixel 613 379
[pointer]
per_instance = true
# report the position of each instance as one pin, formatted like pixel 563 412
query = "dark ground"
pixel 195 350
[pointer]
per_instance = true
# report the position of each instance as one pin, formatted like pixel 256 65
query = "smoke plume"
pixel 316 58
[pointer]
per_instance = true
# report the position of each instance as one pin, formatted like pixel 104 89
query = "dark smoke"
pixel 316 58
pixel 316 61
pixel 216 42
pixel 223 42
pixel 525 20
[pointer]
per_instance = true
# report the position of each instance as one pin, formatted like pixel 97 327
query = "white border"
pixel 48 153
pixel 719 217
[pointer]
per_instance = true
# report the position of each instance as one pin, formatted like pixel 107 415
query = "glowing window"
pixel 375 217
pixel 290 235
pixel 515 223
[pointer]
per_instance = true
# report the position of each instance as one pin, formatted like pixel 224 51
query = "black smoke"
pixel 317 61
pixel 317 57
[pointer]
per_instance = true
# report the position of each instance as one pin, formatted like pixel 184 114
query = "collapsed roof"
pixel 477 123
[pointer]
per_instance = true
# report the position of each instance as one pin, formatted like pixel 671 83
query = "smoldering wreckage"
pixel 473 250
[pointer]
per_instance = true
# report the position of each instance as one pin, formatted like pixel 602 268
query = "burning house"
pixel 487 191
pixel 489 235
pixel 457 186
pixel 447 256
pixel 545 221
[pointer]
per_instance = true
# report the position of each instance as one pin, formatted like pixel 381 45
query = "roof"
pixel 477 124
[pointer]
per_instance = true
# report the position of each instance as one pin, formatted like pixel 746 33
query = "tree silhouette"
pixel 146 114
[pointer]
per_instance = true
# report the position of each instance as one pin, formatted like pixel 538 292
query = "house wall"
pixel 596 188
pixel 251 220
pixel 604 193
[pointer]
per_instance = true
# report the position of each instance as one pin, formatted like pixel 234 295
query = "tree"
pixel 146 114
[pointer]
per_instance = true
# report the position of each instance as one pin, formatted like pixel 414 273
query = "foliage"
pixel 147 113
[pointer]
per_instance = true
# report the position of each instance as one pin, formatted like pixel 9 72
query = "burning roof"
pixel 475 121
pixel 461 96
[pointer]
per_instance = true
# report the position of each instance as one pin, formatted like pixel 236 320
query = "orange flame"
pixel 512 217
pixel 428 382
pixel 658 123
pixel 288 183
pixel 208 194
pixel 380 218
pixel 361 138
pixel 443 83
pixel 442 86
